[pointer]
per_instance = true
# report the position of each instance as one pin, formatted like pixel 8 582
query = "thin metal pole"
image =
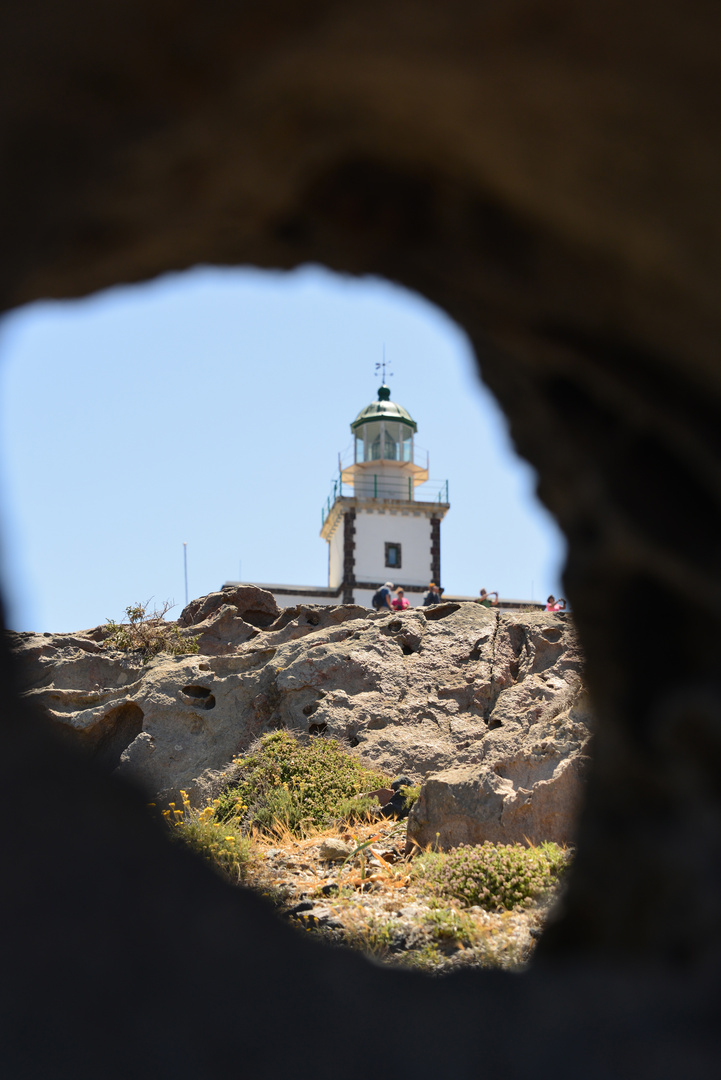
pixel 185 562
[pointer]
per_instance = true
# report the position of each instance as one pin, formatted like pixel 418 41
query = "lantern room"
pixel 384 462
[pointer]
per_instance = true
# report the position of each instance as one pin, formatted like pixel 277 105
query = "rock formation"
pixel 455 686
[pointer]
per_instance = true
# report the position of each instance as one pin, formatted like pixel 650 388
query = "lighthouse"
pixel 382 521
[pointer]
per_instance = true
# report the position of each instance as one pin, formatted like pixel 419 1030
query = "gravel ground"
pixel 378 902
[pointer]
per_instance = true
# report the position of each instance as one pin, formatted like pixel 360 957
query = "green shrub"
pixel 410 794
pixel 354 808
pixel 496 875
pixel 148 633
pixel 295 786
pixel 219 843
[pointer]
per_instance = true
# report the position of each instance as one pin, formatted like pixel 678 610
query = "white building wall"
pixel 284 600
pixel 335 556
pixel 411 529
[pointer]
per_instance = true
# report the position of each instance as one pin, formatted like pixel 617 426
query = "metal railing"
pixel 386 488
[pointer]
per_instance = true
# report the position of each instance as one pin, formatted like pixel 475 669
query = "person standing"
pixel 555 605
pixel 382 598
pixel 433 595
pixel 485 598
pixel 399 602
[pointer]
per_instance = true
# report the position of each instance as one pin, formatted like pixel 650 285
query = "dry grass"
pixel 269 829
pixel 376 902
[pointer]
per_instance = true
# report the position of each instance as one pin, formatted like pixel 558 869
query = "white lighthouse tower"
pixel 383 519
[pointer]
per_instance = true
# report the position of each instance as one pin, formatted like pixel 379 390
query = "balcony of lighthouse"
pixel 380 488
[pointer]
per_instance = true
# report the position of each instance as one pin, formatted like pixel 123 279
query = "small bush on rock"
pixel 295 786
pixel 148 633
pixel 497 875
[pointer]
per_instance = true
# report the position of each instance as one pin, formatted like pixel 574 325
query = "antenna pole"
pixel 185 562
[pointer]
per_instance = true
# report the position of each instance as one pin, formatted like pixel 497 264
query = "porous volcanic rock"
pixel 223 620
pixel 417 693
pixel 527 790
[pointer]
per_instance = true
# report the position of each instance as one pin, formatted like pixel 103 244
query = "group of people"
pixel 384 597
pixel 395 600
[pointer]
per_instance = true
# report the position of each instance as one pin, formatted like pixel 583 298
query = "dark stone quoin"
pixel 348 555
pixel 436 551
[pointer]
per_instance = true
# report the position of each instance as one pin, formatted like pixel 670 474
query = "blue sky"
pixel 209 407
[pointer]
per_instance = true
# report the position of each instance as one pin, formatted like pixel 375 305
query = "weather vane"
pixel 382 367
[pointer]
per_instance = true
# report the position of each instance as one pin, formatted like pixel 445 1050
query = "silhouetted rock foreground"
pixel 548 174
pixel 489 704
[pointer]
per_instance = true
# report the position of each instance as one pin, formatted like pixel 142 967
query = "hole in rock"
pixel 261 619
pixel 517 637
pixel 201 696
pixel 317 729
pixel 442 611
pixel 121 726
pixel 224 356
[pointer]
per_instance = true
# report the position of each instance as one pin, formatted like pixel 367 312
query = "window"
pixel 359 446
pixel 373 441
pixel 393 556
pixel 391 446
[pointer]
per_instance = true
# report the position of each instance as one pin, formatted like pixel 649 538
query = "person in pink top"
pixel 555 605
pixel 399 601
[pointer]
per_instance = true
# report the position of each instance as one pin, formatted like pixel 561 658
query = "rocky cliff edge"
pixel 486 708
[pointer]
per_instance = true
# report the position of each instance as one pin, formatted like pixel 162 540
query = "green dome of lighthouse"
pixel 384 409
